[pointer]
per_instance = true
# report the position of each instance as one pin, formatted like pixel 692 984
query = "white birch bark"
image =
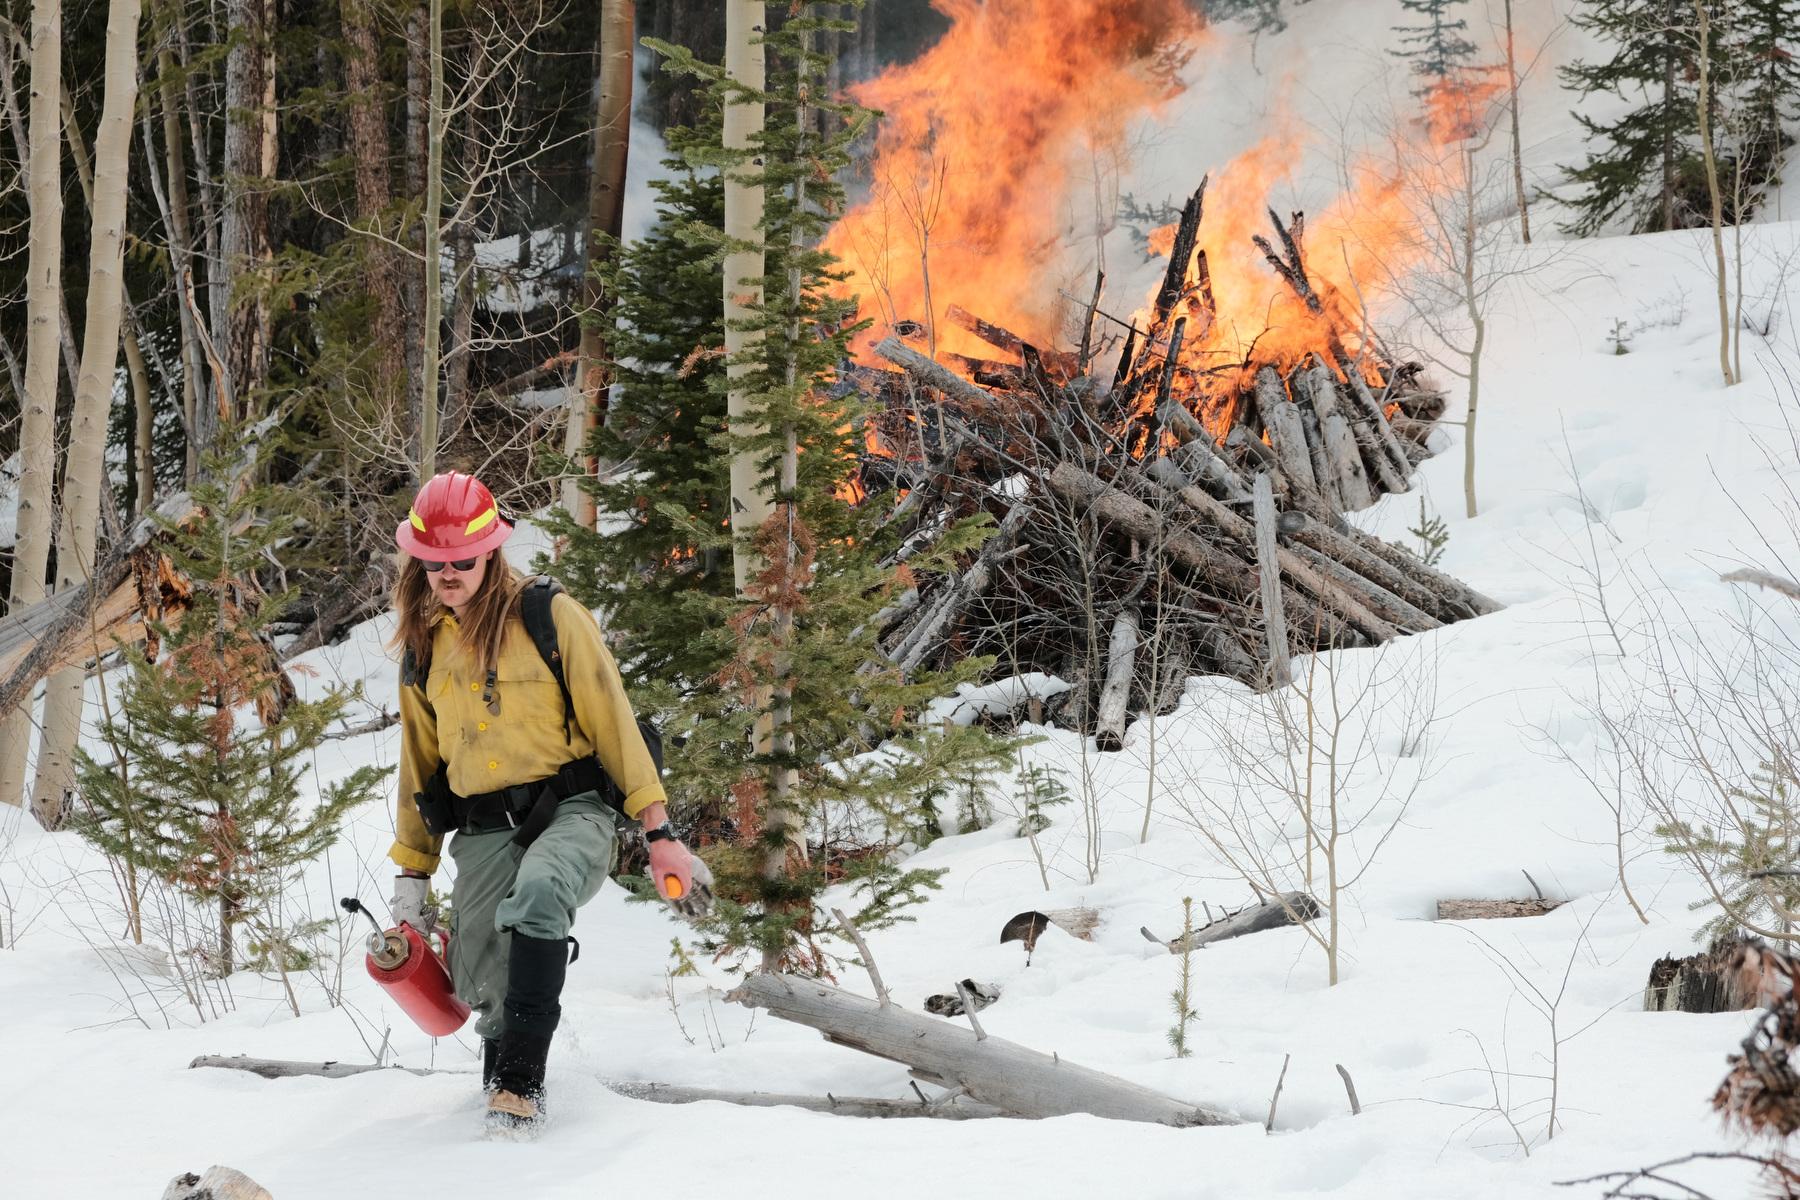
pixel 744 63
pixel 85 472
pixel 43 308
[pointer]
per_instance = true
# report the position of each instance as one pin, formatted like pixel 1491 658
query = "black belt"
pixel 529 807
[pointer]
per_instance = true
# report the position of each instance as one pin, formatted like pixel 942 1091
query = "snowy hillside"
pixel 1614 488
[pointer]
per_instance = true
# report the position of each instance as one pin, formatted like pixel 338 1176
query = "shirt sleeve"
pixel 414 848
pixel 601 706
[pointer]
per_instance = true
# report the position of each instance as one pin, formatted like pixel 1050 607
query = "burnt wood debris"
pixel 1125 551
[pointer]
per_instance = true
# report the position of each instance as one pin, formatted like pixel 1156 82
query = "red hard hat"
pixel 454 516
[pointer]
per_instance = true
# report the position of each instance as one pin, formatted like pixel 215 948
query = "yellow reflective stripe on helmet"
pixel 482 521
pixel 417 522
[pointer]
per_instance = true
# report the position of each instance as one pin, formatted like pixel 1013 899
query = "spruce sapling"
pixel 1182 996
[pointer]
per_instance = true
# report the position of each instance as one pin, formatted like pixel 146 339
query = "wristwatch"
pixel 663 832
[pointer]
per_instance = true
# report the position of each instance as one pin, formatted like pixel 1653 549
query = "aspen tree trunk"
pixel 782 819
pixel 85 473
pixel 65 329
pixel 138 464
pixel 213 382
pixel 43 307
pixel 244 232
pixel 750 502
pixel 382 269
pixel 418 126
pixel 1472 301
pixel 181 255
pixel 1518 154
pixel 432 314
pixel 1668 147
pixel 606 215
pixel 1712 191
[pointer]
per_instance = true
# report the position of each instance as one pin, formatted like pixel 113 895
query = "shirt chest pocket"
pixel 528 694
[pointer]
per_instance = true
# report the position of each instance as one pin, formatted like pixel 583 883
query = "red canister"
pixel 414 975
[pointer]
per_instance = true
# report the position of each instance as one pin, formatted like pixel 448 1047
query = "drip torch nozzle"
pixel 378 938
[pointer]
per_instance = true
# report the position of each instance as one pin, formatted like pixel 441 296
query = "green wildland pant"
pixel 500 888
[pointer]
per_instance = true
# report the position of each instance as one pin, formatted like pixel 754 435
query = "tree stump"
pixel 219 1183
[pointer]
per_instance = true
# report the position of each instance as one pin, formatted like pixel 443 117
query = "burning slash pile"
pixel 1147 529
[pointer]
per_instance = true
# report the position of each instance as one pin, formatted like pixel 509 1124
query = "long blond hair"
pixel 483 619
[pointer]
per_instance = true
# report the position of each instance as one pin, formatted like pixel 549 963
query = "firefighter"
pixel 491 755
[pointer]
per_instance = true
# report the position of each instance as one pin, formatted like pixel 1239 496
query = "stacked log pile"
pixel 1129 551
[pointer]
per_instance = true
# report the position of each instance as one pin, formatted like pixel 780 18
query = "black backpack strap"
pixel 409 669
pixel 534 607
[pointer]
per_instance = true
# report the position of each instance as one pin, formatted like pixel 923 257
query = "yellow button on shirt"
pixel 439 719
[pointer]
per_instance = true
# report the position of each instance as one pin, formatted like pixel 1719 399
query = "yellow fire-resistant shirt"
pixel 446 720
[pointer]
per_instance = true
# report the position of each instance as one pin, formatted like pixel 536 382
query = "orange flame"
pixel 987 136
pixel 977 149
pixel 1460 107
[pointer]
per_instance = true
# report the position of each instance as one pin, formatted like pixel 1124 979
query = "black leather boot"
pixel 536 969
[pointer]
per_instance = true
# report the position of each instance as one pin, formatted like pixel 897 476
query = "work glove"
pixel 681 879
pixel 407 905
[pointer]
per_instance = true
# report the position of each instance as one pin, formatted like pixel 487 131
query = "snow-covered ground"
pixel 1591 464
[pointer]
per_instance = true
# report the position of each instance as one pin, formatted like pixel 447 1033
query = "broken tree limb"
pixel 386 720
pixel 1269 1123
pixel 1288 908
pixel 1274 617
pixel 949 1108
pixel 1121 656
pixel 131 584
pixel 868 959
pixel 936 375
pixel 989 1070
pixel 1764 579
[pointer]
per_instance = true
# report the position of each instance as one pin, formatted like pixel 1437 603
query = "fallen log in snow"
pixel 1289 908
pixel 949 1108
pixel 1491 910
pixel 989 1070
pixel 281 1068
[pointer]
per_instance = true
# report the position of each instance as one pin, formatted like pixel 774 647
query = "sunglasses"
pixel 461 564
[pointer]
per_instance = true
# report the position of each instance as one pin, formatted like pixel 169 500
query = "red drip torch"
pixel 413 973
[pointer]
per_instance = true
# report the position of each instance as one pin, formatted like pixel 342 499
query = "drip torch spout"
pixel 378 938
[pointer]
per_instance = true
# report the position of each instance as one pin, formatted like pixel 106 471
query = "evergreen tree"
pixel 664 558
pixel 1438 48
pixel 211 746
pixel 1763 70
pixel 1645 164
pixel 1756 865
pixel 859 753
